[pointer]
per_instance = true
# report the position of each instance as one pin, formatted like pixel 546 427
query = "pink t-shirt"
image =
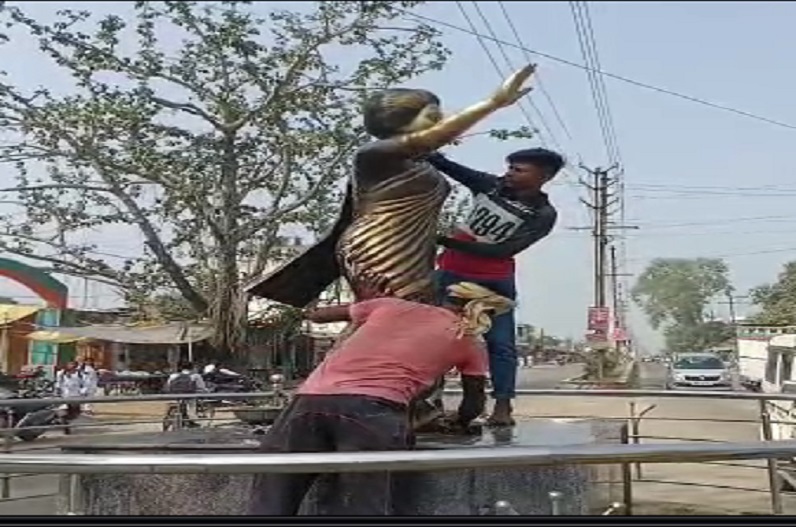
pixel 399 349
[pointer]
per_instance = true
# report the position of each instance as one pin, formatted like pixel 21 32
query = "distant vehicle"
pixel 698 370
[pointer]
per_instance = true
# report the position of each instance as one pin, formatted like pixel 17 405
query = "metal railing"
pixel 393 461
pixel 12 464
pixel 400 461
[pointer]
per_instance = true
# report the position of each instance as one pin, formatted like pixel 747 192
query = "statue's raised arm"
pixel 388 113
pixel 384 240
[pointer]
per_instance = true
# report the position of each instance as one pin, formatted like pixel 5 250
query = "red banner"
pixel 599 318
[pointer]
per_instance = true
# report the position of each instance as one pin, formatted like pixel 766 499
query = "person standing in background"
pixel 69 383
pixel 186 381
pixel 90 383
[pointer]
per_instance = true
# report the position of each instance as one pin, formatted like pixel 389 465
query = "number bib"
pixel 489 222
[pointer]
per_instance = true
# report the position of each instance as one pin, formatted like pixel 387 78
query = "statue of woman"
pixel 384 242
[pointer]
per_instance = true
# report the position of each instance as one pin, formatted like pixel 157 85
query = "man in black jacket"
pixel 509 214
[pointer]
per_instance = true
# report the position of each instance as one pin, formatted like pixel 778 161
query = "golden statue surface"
pixel 384 240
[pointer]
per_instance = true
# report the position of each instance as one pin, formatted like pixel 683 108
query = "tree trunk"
pixel 229 309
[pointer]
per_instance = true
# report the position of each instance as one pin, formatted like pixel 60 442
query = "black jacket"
pixel 508 225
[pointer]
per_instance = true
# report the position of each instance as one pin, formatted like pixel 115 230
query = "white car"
pixel 698 370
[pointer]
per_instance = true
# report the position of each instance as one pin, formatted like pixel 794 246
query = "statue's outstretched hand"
pixel 512 89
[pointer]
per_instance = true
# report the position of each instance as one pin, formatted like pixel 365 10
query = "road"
pixel 738 487
pixel 652 376
pixel 543 377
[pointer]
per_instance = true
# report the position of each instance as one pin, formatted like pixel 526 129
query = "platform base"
pixel 583 489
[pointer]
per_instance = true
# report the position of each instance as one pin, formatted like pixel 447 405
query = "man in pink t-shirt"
pixel 358 398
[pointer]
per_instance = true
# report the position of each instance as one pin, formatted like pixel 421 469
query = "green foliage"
pixel 684 338
pixel 674 293
pixel 211 148
pixel 212 130
pixel 777 301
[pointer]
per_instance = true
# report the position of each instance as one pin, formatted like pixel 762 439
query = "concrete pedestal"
pixel 584 489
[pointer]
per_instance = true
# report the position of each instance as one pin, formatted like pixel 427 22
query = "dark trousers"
pixel 500 339
pixel 332 423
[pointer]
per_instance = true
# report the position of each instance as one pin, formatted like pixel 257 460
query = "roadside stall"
pixel 132 359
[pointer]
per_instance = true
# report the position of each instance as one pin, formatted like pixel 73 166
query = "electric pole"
pixel 619 305
pixel 603 198
pixel 731 303
pixel 601 203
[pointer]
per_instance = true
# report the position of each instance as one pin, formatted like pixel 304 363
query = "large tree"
pixel 777 301
pixel 210 129
pixel 675 293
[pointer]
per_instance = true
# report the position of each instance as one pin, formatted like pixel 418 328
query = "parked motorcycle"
pixel 218 382
pixel 26 420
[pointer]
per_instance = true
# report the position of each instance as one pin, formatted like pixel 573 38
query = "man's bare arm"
pixel 323 315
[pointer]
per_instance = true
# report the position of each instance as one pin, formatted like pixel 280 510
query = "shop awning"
pixel 165 334
pixel 54 337
pixel 12 312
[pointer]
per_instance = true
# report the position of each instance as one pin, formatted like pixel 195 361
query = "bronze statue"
pixel 383 242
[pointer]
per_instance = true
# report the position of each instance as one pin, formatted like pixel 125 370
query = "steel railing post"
pixel 774 480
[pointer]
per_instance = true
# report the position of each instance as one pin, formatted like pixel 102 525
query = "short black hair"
pixel 547 159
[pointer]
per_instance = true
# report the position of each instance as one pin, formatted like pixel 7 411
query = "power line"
pixel 494 62
pixel 718 221
pixel 703 233
pixel 568 177
pixel 693 196
pixel 588 46
pixel 512 68
pixel 614 76
pixel 600 80
pixel 481 40
pixel 641 185
pixel 528 57
pixel 591 59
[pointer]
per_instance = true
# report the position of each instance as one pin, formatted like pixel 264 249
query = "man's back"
pixel 399 349
pixel 182 382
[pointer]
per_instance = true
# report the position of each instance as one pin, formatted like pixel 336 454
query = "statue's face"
pixel 428 117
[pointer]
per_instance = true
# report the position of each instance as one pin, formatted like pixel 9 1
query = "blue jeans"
pixel 499 339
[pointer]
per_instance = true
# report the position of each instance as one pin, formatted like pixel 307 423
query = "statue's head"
pixel 400 111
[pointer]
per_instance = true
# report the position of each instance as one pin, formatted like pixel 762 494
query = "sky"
pixel 700 182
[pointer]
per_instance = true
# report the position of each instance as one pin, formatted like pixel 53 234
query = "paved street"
pixel 545 377
pixel 738 487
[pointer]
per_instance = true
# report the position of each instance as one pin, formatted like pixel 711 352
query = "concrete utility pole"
pixel 616 293
pixel 731 304
pixel 601 202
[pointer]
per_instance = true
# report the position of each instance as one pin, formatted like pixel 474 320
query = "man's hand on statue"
pixel 512 89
